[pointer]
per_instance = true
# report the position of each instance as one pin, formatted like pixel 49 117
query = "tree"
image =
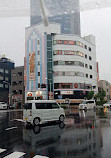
pixel 90 95
pixel 102 95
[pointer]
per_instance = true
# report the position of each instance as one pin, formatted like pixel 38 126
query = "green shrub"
pixel 101 102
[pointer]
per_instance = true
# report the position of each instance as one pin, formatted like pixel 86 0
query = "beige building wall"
pixel 105 85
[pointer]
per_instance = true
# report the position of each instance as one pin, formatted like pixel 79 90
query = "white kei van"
pixel 87 104
pixel 40 111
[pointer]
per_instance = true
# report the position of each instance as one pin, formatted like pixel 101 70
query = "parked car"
pixel 11 107
pixel 107 105
pixel 3 105
pixel 41 111
pixel 87 104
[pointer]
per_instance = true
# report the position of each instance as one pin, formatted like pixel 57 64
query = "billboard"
pixel 32 66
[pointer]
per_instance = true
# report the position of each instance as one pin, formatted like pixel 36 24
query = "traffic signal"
pixel 89 87
pixel 43 85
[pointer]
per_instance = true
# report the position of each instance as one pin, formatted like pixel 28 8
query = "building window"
pixel 1 85
pixel 85 56
pixel 6 71
pixel 56 86
pixel 91 76
pixel 6 85
pixel 61 63
pixel 1 77
pixel 55 62
pixel 39 85
pixel 14 83
pixel 54 42
pixel 19 73
pixel 63 73
pixel 90 67
pixel 69 73
pixel 66 86
pixel 14 92
pixel 6 79
pixel 90 49
pixel 69 62
pixel 86 75
pixel 85 47
pixel 67 52
pixel 14 74
pixel 38 52
pixel 86 66
pixel 20 91
pixel 38 73
pixel 38 42
pixel 38 62
pixel 1 70
pixel 20 82
pixel 90 58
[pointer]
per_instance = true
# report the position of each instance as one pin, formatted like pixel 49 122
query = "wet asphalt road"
pixel 84 135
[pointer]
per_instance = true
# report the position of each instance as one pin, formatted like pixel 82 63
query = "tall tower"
pixel 65 12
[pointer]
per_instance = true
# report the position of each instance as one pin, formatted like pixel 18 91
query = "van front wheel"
pixel 61 118
pixel 36 121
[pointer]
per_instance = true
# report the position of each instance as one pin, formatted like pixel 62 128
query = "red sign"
pixel 29 94
pixel 76 85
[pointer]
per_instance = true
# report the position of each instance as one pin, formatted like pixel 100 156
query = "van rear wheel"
pixel 36 121
pixel 61 118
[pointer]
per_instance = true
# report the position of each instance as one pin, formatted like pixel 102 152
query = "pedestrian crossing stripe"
pixel 19 154
pixel 38 156
pixel 2 150
pixel 15 155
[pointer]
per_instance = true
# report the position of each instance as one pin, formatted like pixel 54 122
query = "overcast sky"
pixel 96 22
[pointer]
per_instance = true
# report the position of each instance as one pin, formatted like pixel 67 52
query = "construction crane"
pixel 45 18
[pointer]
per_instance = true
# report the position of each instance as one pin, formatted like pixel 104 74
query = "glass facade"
pixel 68 73
pixel 49 63
pixel 73 63
pixel 66 13
pixel 6 65
pixel 68 52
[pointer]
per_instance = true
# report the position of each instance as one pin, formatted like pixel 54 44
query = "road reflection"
pixel 81 136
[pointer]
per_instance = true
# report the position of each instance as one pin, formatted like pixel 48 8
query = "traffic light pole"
pixel 50 90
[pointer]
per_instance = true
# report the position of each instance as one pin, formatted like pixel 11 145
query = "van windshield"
pixel 84 102
pixel 28 106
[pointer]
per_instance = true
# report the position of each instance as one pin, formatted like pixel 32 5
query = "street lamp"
pixel 9 91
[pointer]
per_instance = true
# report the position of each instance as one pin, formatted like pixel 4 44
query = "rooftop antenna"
pixel 45 19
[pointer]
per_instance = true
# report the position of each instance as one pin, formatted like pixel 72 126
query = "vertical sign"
pixel 32 66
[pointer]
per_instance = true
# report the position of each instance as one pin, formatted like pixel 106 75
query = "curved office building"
pixel 66 64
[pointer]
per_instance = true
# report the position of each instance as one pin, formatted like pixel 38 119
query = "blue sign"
pixel 59 96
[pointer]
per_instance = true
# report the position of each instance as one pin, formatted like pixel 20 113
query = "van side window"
pixel 55 106
pixel 38 105
pixel 48 105
pixel 90 102
pixel 28 106
pixel 43 105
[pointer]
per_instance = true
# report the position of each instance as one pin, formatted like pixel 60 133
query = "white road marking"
pixel 2 150
pixel 38 156
pixel 15 155
pixel 10 128
pixel 20 120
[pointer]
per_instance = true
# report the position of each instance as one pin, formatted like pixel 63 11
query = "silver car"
pixel 3 105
